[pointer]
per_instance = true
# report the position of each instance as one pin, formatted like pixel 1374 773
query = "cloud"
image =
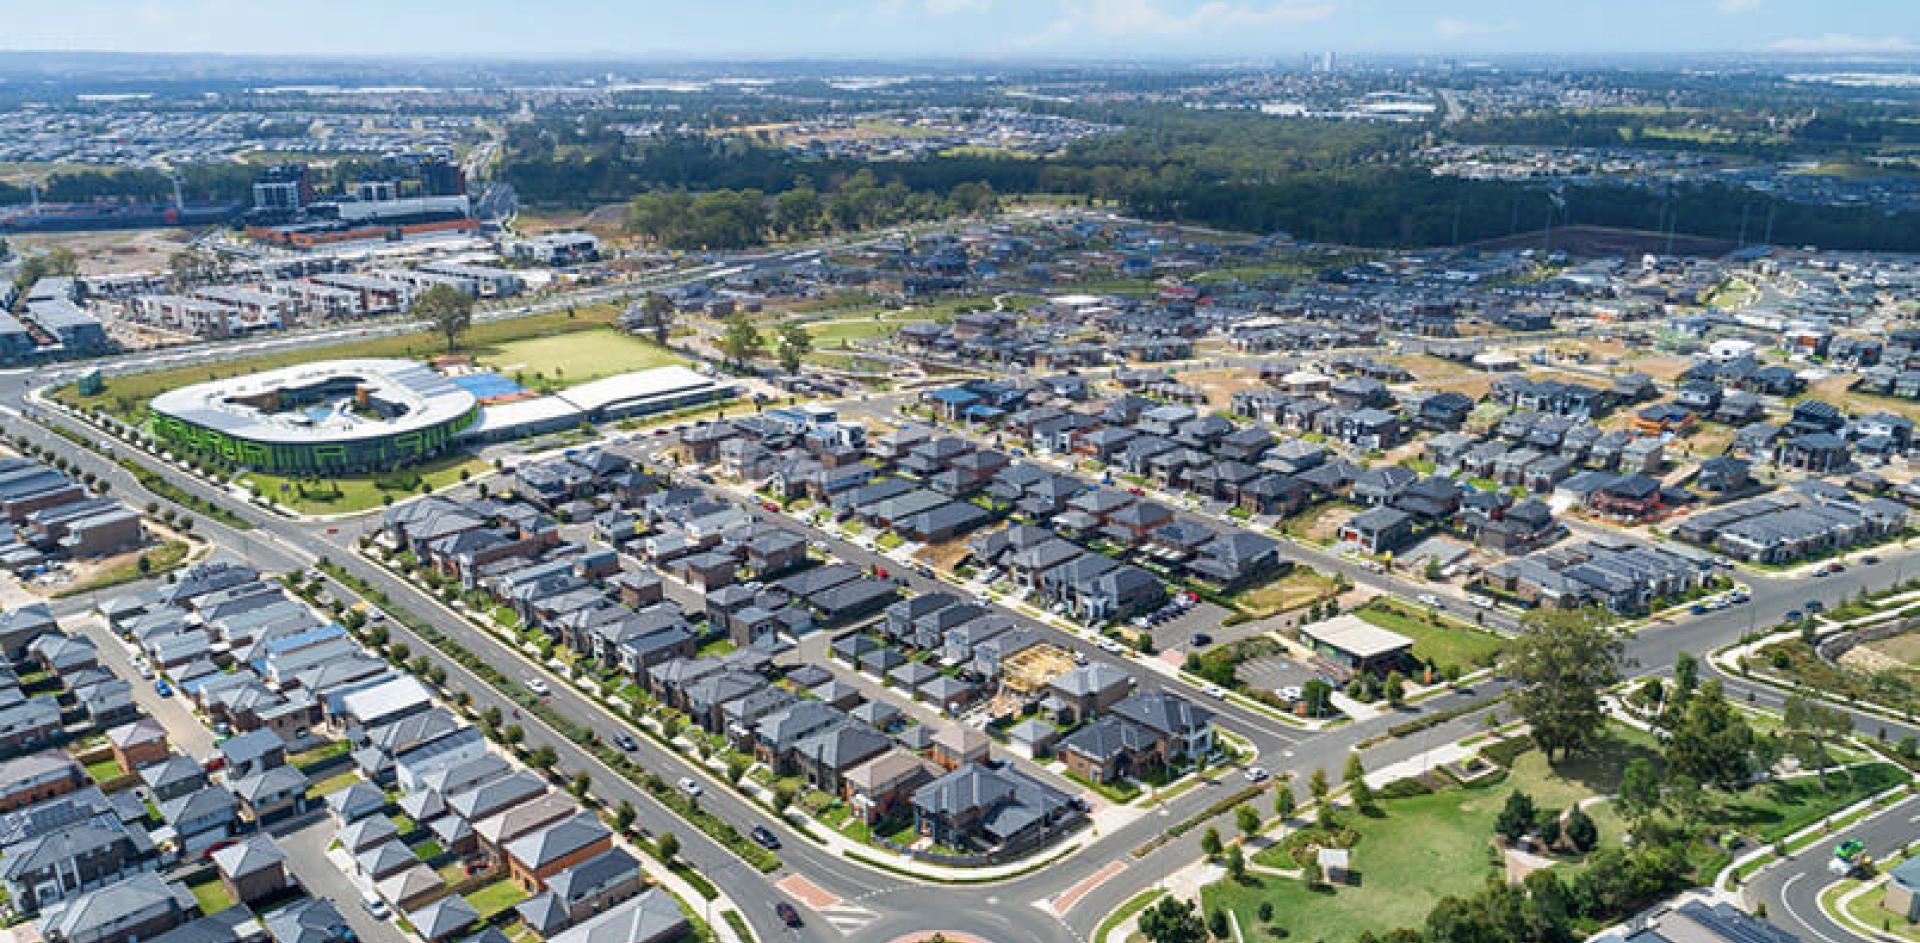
pixel 1737 6
pixel 950 7
pixel 1150 18
pixel 1455 28
pixel 1835 44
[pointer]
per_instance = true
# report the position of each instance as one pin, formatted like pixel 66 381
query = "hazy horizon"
pixel 967 30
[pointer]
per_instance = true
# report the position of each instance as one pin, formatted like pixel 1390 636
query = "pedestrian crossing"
pixel 848 918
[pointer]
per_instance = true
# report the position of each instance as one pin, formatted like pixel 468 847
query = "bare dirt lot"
pixel 100 253
pixel 1220 385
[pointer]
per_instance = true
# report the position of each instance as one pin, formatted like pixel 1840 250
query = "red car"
pixel 769 505
pixel 1137 491
pixel 880 572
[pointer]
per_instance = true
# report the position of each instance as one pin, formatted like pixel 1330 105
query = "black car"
pixel 765 838
pixel 625 742
pixel 1201 640
pixel 788 915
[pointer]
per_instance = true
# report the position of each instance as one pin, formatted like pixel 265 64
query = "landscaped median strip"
pixel 716 828
pixel 153 481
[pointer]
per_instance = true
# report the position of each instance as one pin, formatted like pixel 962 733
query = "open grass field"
pixel 1449 643
pixel 563 360
pixel 841 330
pixel 365 492
pixel 127 396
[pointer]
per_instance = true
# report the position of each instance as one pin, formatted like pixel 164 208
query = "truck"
pixel 1850 857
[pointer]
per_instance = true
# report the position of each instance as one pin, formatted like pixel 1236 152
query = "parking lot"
pixel 1274 674
pixel 1202 617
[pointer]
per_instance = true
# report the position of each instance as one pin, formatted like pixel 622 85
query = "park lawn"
pixel 837 330
pixel 496 897
pixel 1421 849
pixel 562 360
pixel 364 492
pixel 1449 643
pixel 127 396
pixel 1303 586
pixel 212 896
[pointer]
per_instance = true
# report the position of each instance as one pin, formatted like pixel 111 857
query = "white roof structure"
pixel 639 386
pixel 408 396
pixel 1357 637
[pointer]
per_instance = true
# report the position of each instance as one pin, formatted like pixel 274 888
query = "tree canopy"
pixel 448 309
pixel 1561 662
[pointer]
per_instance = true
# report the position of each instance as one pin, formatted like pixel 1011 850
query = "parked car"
pixel 162 688
pixel 375 906
pixel 1201 640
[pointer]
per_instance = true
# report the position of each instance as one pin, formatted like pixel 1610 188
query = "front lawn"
pixel 1449 642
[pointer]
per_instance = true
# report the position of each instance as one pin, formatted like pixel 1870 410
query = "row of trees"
pixel 733 219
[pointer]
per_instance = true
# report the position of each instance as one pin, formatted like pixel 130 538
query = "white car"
pixel 688 786
pixel 537 686
pixel 1484 602
pixel 375 906
pixel 1428 599
pixel 1214 690
pixel 1257 774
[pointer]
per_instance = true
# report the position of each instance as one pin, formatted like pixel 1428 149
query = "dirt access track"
pixel 1601 241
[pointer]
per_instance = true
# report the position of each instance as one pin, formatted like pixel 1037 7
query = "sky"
pixel 962 29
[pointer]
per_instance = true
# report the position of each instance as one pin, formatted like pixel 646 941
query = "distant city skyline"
pixel 965 29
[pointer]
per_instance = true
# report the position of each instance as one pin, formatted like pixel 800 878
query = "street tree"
pixel 1247 819
pixel 795 345
pixel 742 341
pixel 1210 843
pixel 1561 662
pixel 448 309
pixel 656 315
